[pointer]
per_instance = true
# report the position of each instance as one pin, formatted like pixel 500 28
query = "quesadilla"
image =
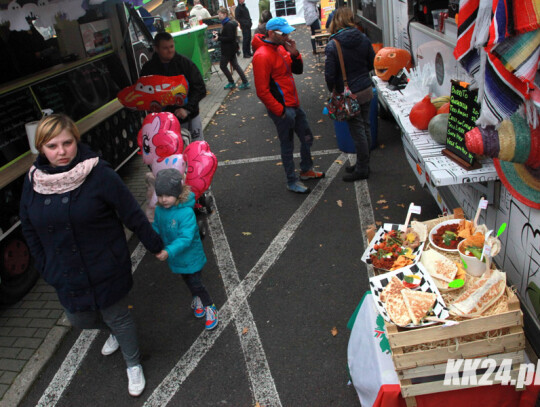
pixel 480 295
pixel 397 310
pixel 392 288
pixel 440 267
pixel 418 304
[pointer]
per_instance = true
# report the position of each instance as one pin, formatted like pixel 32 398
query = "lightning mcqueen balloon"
pixel 153 92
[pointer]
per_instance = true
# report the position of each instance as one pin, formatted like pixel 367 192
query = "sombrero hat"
pixel 515 149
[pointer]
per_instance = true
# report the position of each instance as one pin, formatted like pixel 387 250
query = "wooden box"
pixel 420 355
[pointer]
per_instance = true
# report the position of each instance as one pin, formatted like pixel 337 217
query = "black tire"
pixel 17 272
pixel 203 228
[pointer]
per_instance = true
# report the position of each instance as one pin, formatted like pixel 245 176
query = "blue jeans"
pixel 118 321
pixel 295 120
pixel 196 287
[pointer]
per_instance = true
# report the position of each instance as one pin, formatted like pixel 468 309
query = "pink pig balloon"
pixel 173 161
pixel 201 166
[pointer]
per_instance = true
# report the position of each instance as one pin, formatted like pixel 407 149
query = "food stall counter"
pixel 425 153
pixel 191 43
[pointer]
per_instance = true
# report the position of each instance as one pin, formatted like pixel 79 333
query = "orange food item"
pixel 422 112
pixel 476 240
pixel 389 61
pixel 465 229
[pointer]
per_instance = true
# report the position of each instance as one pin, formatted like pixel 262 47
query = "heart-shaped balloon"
pixel 201 166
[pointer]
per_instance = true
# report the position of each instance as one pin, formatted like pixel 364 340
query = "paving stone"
pixel 42 322
pixel 26 354
pixel 3 321
pixel 12 365
pixel 5 330
pixel 18 322
pixel 13 312
pixel 37 313
pixel 53 305
pixel 32 304
pixel 9 352
pixel 3 389
pixel 32 343
pixel 41 333
pixel 32 296
pixel 49 297
pixel 43 288
pixel 24 332
pixel 7 377
pixel 55 314
pixel 6 341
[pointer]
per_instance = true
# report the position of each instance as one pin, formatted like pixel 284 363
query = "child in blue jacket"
pixel 175 222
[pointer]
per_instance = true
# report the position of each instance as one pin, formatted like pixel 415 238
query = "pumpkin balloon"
pixel 389 61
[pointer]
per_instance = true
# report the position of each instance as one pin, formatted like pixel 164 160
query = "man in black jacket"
pixel 242 16
pixel 167 62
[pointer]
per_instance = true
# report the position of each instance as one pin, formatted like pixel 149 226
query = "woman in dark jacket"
pixel 73 206
pixel 229 47
pixel 358 56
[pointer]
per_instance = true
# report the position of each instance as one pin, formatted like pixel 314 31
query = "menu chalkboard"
pixel 464 111
pixel 80 91
pixel 16 109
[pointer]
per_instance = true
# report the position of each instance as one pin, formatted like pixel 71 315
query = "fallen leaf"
pixel 279 163
pixel 320 244
pixel 222 151
pixel 257 404
pixel 236 175
pixel 130 306
pixel 334 331
pixel 317 137
pixel 412 187
pixel 382 146
pixel 339 203
pixel 320 121
pixel 246 233
pixel 385 207
pixel 237 142
pixel 338 162
pixel 381 201
pixel 386 217
pixel 402 205
pixel 245 331
pixel 381 196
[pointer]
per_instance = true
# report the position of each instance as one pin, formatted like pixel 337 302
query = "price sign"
pixel 464 111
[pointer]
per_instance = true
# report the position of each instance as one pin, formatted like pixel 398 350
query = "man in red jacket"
pixel 274 62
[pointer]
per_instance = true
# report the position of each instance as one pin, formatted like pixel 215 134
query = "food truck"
pixel 428 29
pixel 66 58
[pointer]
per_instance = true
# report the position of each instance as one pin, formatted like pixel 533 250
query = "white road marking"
pixel 261 380
pixel 271 158
pixel 78 351
pixel 230 310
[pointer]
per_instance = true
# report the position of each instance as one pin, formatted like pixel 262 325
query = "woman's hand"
pixel 162 255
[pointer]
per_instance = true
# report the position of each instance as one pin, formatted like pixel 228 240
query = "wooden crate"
pixel 420 370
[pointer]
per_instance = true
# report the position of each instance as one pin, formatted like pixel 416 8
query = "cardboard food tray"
pixel 378 283
pixel 379 237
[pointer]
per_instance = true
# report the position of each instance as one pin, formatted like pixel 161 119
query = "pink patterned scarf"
pixel 49 184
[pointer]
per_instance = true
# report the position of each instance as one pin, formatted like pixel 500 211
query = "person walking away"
pixel 176 224
pixel 261 28
pixel 167 62
pixel 358 56
pixel 199 11
pixel 73 208
pixel 274 62
pixel 229 46
pixel 241 14
pixel 311 15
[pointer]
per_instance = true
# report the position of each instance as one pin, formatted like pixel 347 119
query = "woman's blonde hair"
pixel 51 126
pixel 343 18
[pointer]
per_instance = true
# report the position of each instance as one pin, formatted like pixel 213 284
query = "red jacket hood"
pixel 257 41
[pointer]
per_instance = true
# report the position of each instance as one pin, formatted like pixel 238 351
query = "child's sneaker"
pixel 244 86
pixel 211 317
pixel 311 175
pixel 198 308
pixel 298 187
pixel 230 85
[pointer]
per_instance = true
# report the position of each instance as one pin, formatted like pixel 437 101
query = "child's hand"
pixel 162 255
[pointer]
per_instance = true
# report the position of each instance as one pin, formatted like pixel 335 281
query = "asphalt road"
pixel 284 270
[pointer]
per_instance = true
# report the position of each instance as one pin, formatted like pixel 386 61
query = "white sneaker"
pixel 136 380
pixel 110 346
